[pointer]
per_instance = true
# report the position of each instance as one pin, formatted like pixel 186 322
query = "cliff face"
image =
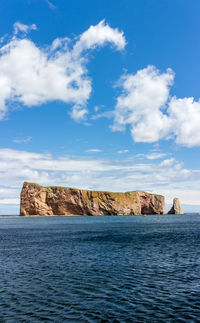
pixel 176 207
pixel 39 200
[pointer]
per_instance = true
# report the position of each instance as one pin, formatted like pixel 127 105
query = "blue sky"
pixel 100 95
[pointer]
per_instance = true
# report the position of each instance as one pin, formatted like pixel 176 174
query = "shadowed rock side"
pixel 176 207
pixel 39 200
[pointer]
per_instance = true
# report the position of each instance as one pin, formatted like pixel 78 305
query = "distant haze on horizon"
pixel 100 95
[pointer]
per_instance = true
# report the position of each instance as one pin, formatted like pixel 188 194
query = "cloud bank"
pixel 146 105
pixel 32 76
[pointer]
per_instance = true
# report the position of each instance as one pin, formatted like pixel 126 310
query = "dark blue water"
pixel 100 269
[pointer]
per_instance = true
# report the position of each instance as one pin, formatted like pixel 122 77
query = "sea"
pixel 100 269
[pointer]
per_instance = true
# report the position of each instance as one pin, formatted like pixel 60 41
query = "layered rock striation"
pixel 54 200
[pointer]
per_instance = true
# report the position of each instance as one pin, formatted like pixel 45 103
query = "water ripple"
pixel 126 269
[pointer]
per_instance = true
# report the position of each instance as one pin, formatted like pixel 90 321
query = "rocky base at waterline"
pixel 40 200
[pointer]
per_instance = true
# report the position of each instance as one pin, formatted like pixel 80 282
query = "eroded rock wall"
pixel 176 207
pixel 39 200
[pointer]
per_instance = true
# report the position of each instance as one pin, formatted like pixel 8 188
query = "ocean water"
pixel 100 269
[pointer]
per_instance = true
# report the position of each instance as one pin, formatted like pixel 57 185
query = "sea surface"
pixel 100 269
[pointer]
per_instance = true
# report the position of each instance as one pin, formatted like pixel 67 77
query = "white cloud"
pixel 153 156
pixel 18 26
pixel 50 4
pixel 17 166
pixel 146 106
pixel 105 114
pixel 32 76
pixel 22 140
pixel 9 201
pixel 185 114
pixel 5 192
pixel 97 36
pixel 189 197
pixel 168 162
pixel 93 150
pixel 123 151
pixel 141 103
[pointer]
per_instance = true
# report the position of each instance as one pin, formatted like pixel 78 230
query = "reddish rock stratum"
pixel 38 200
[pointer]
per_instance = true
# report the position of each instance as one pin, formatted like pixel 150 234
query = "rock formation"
pixel 176 207
pixel 39 200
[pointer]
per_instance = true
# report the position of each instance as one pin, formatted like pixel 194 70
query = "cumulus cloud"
pixel 185 116
pixel 142 102
pixel 145 104
pixel 17 166
pixel 32 76
pixel 99 35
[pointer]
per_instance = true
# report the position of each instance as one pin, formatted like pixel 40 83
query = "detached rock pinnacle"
pixel 176 207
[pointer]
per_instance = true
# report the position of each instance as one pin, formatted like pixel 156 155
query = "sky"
pixel 101 95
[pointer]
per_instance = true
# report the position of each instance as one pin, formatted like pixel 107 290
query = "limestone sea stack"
pixel 54 200
pixel 176 207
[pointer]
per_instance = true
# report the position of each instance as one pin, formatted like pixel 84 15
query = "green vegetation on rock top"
pixel 61 187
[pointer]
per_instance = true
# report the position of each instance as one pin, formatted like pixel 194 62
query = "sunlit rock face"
pixel 54 200
pixel 176 207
